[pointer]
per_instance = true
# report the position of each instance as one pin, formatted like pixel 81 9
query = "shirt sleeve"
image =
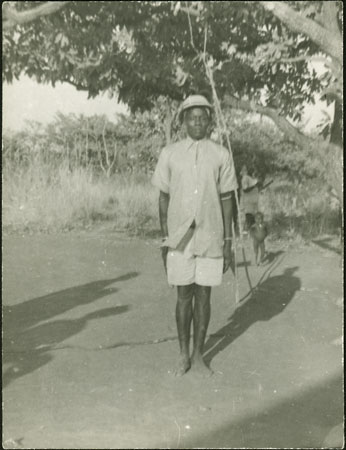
pixel 245 182
pixel 228 179
pixel 161 177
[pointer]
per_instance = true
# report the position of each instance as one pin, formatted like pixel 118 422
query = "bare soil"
pixel 89 347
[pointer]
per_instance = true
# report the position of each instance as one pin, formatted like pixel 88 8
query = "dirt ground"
pixel 89 345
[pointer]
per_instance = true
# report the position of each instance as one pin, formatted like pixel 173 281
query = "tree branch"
pixel 283 124
pixel 329 154
pixel 13 17
pixel 328 41
pixel 105 143
pixel 310 58
pixel 291 60
pixel 329 14
pixel 78 86
pixel 100 156
pixel 334 93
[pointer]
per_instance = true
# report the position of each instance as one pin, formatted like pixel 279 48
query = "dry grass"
pixel 305 210
pixel 40 198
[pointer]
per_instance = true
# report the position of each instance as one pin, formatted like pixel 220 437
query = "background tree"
pixel 138 51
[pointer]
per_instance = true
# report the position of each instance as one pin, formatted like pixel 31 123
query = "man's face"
pixel 196 121
pixel 259 219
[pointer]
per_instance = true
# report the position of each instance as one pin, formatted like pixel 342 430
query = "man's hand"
pixel 164 252
pixel 228 259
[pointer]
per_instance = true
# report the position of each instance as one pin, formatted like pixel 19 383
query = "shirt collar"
pixel 191 141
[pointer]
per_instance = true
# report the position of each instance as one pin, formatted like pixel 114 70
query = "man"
pixel 250 197
pixel 259 232
pixel 196 178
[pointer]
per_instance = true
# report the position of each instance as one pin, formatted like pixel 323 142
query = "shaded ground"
pixel 90 342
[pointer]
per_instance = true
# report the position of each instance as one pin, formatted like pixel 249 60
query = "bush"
pixel 291 210
pixel 37 198
pixel 58 177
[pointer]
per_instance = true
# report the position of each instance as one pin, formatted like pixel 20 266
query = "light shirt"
pixel 194 174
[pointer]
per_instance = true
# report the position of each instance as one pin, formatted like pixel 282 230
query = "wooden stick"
pixel 221 122
pixel 237 296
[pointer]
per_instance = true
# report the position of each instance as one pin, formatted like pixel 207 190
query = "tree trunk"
pixel 328 41
pixel 336 128
pixel 87 144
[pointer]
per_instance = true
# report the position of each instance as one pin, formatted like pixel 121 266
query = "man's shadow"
pixel 269 258
pixel 268 300
pixel 327 245
pixel 29 335
pixel 26 314
pixel 272 256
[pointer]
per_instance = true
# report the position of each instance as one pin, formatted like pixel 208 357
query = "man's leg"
pixel 201 317
pixel 183 315
pixel 255 249
pixel 262 252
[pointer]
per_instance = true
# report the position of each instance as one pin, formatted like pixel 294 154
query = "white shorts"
pixel 184 268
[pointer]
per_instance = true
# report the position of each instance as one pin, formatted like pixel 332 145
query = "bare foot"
pixel 184 365
pixel 200 368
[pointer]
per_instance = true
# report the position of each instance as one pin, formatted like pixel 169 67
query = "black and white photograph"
pixel 172 225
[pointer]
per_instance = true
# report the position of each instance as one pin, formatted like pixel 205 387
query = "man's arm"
pixel 251 188
pixel 163 210
pixel 227 215
pixel 246 181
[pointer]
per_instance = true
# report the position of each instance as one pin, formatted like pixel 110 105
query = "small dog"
pixel 259 232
